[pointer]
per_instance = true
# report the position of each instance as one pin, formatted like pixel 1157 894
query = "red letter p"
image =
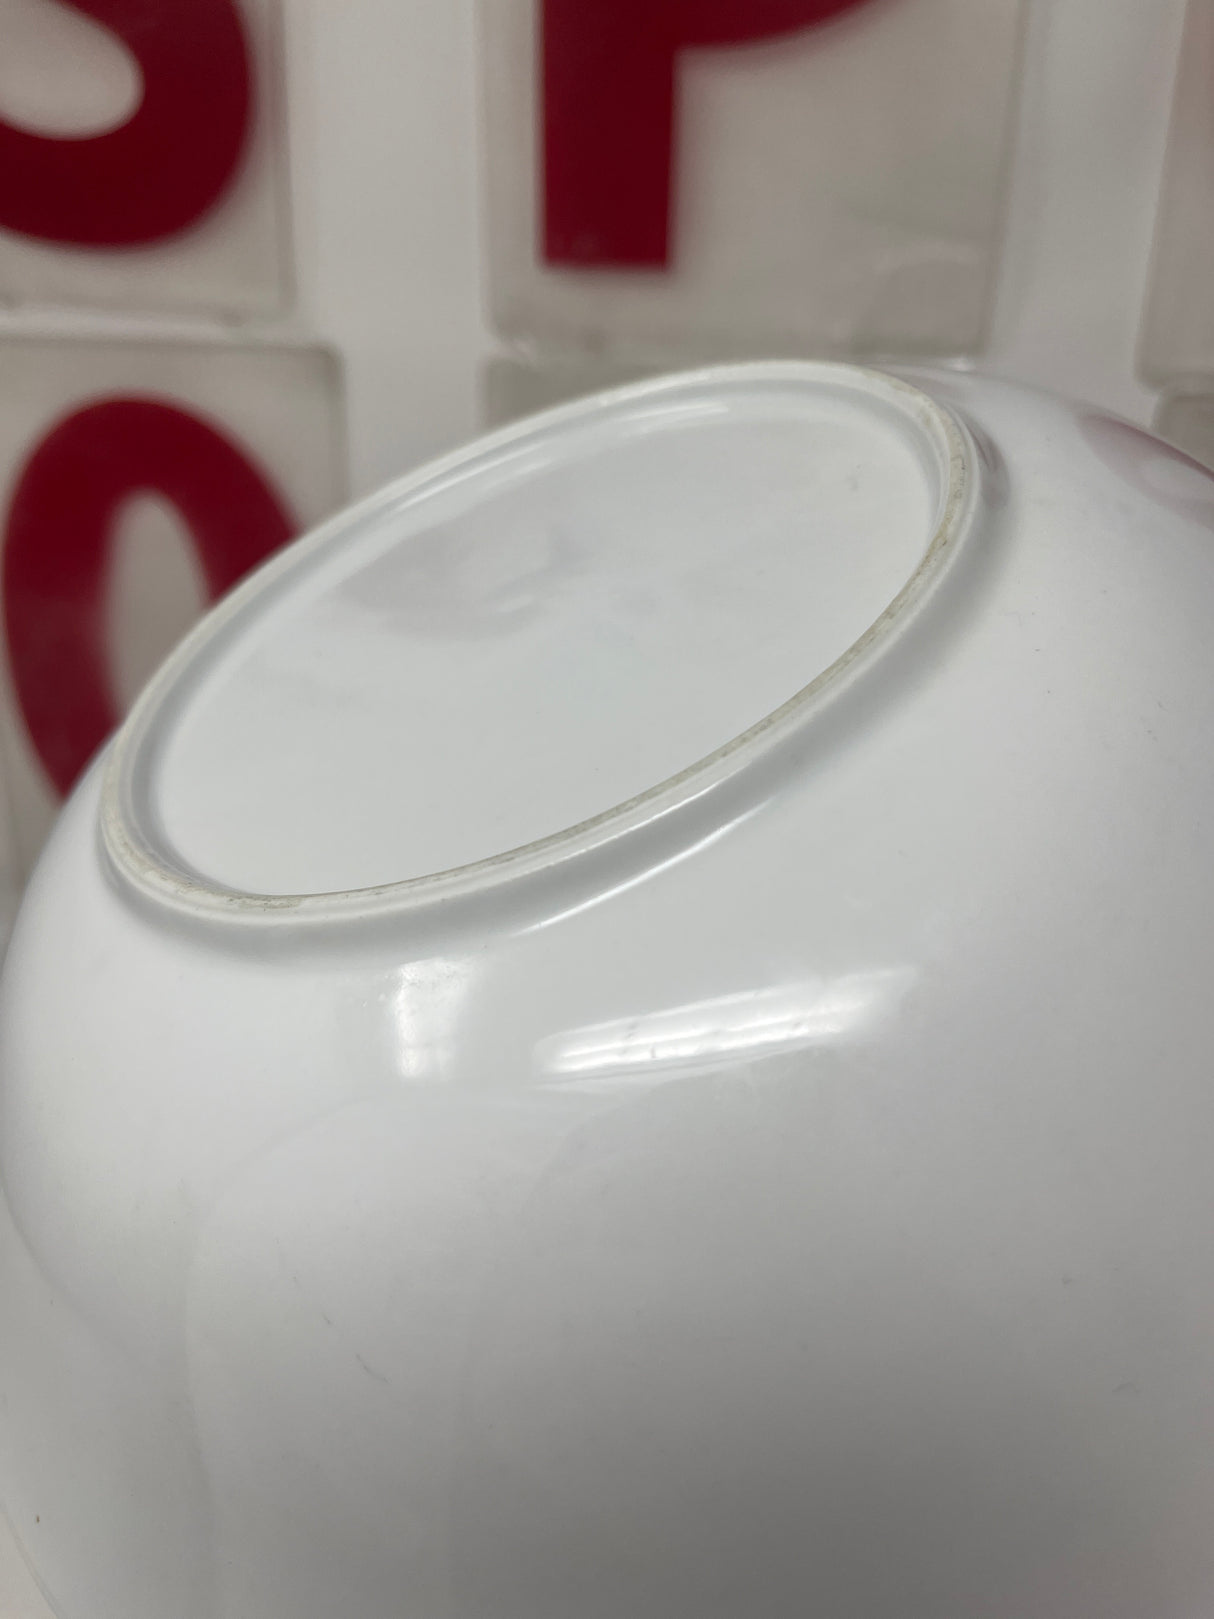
pixel 609 105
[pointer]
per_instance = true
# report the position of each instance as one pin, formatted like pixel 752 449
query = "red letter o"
pixel 57 545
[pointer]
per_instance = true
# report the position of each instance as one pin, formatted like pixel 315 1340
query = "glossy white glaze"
pixel 788 1194
pixel 560 622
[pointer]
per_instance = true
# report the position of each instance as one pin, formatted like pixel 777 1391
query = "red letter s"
pixel 168 164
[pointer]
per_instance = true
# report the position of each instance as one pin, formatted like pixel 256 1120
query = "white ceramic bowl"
pixel 626 1031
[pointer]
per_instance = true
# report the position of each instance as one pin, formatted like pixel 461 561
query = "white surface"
pixel 798 1201
pixel 20 1597
pixel 383 107
pixel 527 641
